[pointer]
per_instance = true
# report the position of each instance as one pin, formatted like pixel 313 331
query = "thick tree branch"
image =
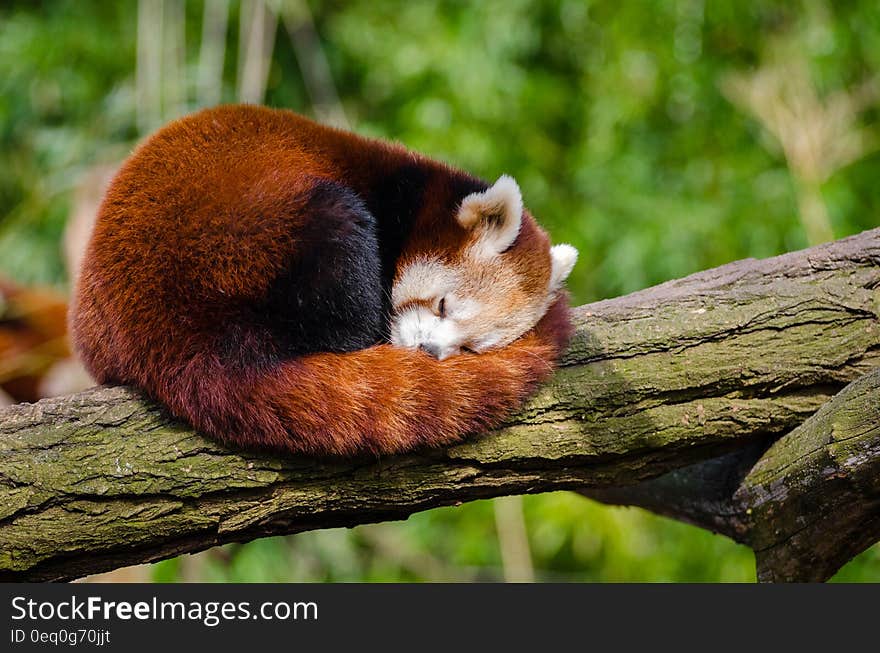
pixel 723 361
pixel 806 505
pixel 814 498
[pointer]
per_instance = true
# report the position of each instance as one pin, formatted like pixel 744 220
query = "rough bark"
pixel 814 498
pixel 806 505
pixel 722 362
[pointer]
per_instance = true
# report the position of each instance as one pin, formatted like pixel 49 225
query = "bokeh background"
pixel 660 138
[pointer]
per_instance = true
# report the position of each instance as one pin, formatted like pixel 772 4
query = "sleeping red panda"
pixel 285 285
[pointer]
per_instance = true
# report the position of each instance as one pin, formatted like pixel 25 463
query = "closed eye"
pixel 441 307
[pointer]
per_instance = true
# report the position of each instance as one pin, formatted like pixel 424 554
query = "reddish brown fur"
pixel 32 338
pixel 387 400
pixel 198 223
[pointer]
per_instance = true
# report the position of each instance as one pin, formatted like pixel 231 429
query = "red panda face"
pixel 489 292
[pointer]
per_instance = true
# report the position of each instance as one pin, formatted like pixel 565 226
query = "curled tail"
pixel 379 400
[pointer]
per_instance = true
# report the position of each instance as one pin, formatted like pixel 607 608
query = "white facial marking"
pixel 462 309
pixel 419 328
pixel 486 342
pixel 423 279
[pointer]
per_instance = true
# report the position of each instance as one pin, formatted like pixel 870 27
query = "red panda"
pixel 285 285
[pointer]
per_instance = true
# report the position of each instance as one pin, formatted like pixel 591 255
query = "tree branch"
pixel 806 505
pixel 814 497
pixel 723 361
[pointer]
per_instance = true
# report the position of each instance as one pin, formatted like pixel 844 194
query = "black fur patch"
pixel 330 298
pixel 395 201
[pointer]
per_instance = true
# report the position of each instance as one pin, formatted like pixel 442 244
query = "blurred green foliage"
pixel 611 115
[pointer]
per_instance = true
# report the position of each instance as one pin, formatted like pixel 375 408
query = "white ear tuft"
pixel 563 257
pixel 497 212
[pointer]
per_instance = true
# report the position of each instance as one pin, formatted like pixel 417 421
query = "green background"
pixel 660 138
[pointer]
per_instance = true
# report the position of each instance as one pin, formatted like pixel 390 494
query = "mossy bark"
pixel 806 504
pixel 719 363
pixel 812 502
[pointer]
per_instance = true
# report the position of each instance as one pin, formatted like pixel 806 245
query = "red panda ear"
pixel 562 260
pixel 496 213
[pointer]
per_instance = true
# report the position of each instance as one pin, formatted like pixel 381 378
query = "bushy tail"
pixel 379 400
